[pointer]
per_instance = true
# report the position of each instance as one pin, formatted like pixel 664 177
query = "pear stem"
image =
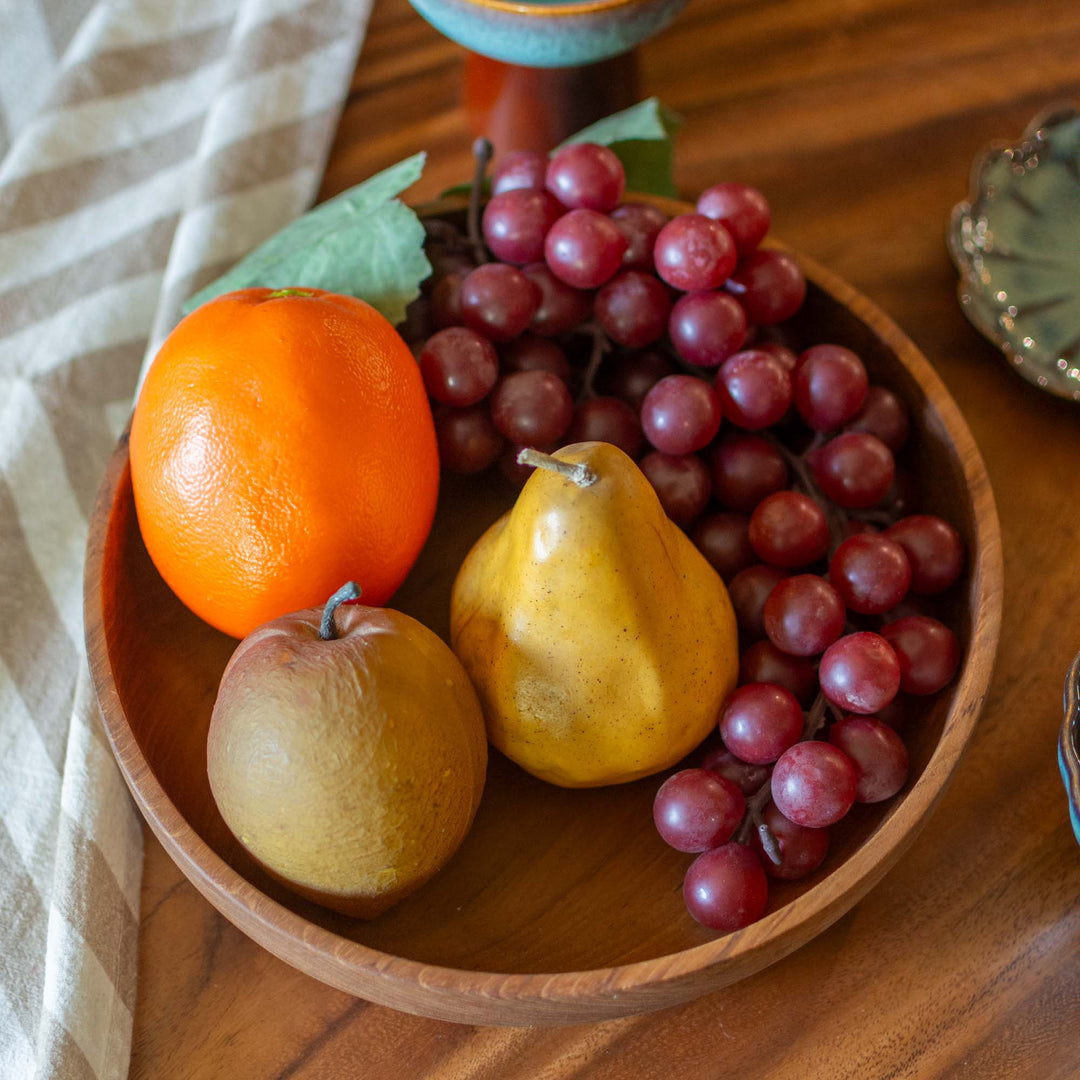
pixel 349 591
pixel 578 471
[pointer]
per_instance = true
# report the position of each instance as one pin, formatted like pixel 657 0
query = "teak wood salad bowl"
pixel 562 906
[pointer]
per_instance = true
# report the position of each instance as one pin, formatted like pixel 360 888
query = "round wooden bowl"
pixel 561 906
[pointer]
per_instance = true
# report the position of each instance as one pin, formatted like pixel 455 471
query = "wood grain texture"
pixel 860 121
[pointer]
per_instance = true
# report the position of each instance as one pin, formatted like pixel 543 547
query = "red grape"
pixel 468 439
pixel 764 662
pixel 532 407
pixel 521 169
pixel 855 527
pixel 926 650
pixel 746 777
pixel 760 721
pixel 853 469
pixel 830 386
pixel 459 366
pixel 631 377
pixel 878 754
pixel 498 301
pixel 754 389
pixel 532 353
pixel 586 175
pixel 693 253
pixel 680 414
pixel 695 810
pixel 584 248
pixel 933 548
pixel 741 209
pixel 781 352
pixel 802 850
pixel 633 308
pixel 640 223
pixel 726 888
pixel 870 572
pixel 446 299
pixel 860 673
pixel 789 529
pixel 904 493
pixel 748 591
pixel 419 322
pixel 769 286
pixel 814 784
pixel 607 419
pixel 803 615
pixel 516 222
pixel 561 307
pixel 746 469
pixel 724 539
pixel 882 414
pixel 681 482
pixel 896 712
pixel 448 260
pixel 706 328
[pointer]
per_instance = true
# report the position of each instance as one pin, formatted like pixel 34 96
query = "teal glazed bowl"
pixel 1069 745
pixel 549 33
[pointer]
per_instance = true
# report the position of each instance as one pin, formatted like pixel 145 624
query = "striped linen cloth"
pixel 149 144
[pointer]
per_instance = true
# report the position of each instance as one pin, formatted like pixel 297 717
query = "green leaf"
pixel 642 137
pixel 363 242
pixel 466 190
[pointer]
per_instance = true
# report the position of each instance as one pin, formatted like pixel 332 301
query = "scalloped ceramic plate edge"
pixel 994 318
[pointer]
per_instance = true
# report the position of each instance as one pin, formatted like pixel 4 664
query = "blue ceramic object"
pixel 541 33
pixel 1069 745
pixel 1016 243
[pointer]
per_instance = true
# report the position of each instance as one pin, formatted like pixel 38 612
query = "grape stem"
pixel 752 823
pixel 815 718
pixel 884 518
pixel 837 715
pixel 577 471
pixel 482 151
pixel 442 232
pixel 806 482
pixel 601 346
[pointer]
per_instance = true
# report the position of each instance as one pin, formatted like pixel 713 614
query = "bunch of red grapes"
pixel 567 315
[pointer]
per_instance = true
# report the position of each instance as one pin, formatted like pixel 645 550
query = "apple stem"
pixel 349 591
pixel 577 471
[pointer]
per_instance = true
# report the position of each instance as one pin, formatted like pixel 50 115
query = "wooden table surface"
pixel 859 119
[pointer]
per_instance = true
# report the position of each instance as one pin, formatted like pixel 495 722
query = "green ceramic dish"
pixel 1016 243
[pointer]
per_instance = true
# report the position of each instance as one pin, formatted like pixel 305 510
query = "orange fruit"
pixel 282 444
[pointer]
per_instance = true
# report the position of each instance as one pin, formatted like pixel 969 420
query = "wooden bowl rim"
pixel 836 893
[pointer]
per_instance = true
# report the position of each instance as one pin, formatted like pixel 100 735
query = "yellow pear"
pixel 600 641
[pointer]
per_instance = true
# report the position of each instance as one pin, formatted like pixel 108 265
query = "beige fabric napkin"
pixel 149 144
